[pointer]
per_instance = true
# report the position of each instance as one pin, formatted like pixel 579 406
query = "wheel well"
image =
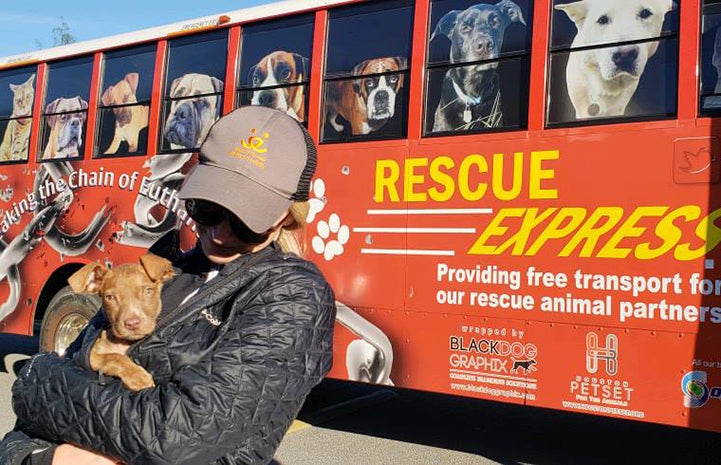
pixel 56 281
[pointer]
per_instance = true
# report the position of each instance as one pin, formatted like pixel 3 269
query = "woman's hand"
pixel 67 454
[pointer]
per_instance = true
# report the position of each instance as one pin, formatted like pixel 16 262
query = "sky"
pixel 26 25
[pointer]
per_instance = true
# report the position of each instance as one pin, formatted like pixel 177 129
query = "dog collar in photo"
pixel 467 100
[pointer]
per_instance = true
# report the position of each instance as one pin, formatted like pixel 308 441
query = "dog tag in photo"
pixel 466 115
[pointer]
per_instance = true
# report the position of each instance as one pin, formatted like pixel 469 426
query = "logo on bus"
pixel 696 391
pixel 607 354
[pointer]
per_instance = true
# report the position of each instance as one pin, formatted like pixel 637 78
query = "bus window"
pixel 65 109
pixel 607 65
pixel 711 58
pixel 17 94
pixel 478 66
pixel 126 87
pixel 275 65
pixel 374 66
pixel 193 89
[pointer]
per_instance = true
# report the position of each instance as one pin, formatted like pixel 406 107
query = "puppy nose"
pixel 182 112
pixel 382 97
pixel 132 323
pixel 266 98
pixel 625 58
pixel 484 45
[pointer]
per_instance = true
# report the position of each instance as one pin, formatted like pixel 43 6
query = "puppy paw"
pixel 324 244
pixel 140 379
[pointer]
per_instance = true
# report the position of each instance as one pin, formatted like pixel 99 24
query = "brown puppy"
pixel 368 102
pixel 280 68
pixel 65 118
pixel 130 119
pixel 131 302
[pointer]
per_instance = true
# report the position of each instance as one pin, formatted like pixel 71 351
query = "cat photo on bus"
pixel 602 79
pixel 17 133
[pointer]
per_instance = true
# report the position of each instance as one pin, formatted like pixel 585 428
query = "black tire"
pixel 66 316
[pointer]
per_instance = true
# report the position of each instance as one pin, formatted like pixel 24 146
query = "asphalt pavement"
pixel 346 423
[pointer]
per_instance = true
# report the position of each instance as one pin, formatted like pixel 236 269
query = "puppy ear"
pixel 89 278
pixel 250 74
pixel 402 63
pixel 158 268
pixel 174 86
pixel 132 80
pixel 511 10
pixel 83 104
pixel 52 106
pixel 301 66
pixel 107 97
pixel 357 71
pixel 217 84
pixel 446 24
pixel 576 12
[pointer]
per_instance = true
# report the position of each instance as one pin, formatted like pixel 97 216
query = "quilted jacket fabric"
pixel 232 367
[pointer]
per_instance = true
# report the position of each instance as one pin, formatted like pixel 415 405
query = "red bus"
pixel 516 200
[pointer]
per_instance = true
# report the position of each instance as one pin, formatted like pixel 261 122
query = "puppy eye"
pixel 148 291
pixel 286 74
pixel 645 13
pixel 493 21
pixel 393 79
pixel 109 297
pixel 603 20
pixel 465 28
pixel 370 83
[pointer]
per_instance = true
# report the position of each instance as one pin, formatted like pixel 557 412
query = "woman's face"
pixel 221 245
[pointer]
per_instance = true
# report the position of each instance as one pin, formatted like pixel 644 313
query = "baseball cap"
pixel 255 162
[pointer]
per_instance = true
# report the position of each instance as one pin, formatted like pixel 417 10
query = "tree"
pixel 61 34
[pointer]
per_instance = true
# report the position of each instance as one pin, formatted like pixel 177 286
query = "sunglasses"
pixel 207 213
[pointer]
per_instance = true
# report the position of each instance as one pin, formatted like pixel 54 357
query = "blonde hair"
pixel 292 233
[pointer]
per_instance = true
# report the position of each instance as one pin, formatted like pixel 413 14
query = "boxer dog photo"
pixel 601 81
pixel 279 75
pixel 66 127
pixel 367 102
pixel 190 117
pixel 129 119
pixel 470 95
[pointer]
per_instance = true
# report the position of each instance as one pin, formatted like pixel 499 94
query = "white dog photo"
pixel 602 80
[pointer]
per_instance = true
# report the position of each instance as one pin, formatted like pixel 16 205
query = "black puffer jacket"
pixel 232 367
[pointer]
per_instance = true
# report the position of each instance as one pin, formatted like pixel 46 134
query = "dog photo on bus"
pixel 130 119
pixel 367 102
pixel 278 80
pixel 619 41
pixel 470 95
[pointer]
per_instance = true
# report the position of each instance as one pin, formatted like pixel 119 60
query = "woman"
pixel 245 332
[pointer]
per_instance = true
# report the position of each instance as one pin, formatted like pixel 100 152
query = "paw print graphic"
pixel 317 200
pixel 323 244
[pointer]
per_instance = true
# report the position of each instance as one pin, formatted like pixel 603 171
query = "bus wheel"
pixel 66 316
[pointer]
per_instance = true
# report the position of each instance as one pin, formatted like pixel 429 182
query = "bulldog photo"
pixel 470 95
pixel 66 127
pixel 279 75
pixel 367 102
pixel 190 117
pixel 601 81
pixel 129 119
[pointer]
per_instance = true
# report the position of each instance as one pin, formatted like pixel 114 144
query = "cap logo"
pixel 250 149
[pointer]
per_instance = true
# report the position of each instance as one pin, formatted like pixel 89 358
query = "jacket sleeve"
pixel 16 446
pixel 251 385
